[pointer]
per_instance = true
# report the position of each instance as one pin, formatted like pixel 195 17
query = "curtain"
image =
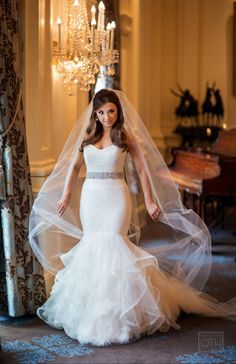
pixel 22 287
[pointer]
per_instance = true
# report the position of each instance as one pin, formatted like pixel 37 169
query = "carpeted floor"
pixel 27 340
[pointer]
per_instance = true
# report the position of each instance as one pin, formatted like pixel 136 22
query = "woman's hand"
pixel 62 205
pixel 153 210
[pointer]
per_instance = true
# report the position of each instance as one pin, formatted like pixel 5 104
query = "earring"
pixel 96 118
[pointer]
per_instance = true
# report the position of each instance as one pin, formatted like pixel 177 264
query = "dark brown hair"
pixel 95 128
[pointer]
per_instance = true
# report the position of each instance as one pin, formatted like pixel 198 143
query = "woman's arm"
pixel 151 206
pixel 65 199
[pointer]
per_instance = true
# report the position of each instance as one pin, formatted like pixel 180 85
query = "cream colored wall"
pixel 162 42
pixel 168 41
pixel 141 61
pixel 217 57
pixel 37 90
pixel 49 110
pixel 206 43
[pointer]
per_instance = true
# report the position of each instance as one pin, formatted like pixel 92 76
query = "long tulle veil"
pixel 187 253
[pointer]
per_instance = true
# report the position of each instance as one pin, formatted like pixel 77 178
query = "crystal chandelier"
pixel 82 48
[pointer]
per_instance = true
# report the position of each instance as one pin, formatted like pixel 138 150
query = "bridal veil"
pixel 186 251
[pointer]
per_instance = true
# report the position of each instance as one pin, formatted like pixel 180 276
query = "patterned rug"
pixel 28 340
pixel 45 348
pixel 200 340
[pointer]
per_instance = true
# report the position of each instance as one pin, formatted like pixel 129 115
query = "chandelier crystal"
pixel 82 48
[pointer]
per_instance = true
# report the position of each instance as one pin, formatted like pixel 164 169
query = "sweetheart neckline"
pixel 110 145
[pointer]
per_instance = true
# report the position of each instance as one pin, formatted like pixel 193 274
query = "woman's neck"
pixel 106 132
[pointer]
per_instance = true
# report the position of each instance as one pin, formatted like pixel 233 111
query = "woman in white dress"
pixel 109 290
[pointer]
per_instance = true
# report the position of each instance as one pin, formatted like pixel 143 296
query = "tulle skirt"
pixel 112 291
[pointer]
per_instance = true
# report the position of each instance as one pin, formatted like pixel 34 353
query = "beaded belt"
pixel 105 175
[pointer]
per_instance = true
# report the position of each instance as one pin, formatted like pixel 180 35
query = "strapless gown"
pixel 110 290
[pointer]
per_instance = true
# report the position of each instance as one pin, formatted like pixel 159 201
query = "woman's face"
pixel 107 115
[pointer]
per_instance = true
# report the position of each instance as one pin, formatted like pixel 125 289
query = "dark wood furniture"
pixel 194 136
pixel 207 176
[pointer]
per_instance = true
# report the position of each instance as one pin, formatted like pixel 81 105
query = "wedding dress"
pixel 110 290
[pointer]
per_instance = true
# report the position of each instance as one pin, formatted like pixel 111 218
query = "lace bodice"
pixel 108 159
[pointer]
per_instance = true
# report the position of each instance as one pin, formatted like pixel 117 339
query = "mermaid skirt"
pixel 110 290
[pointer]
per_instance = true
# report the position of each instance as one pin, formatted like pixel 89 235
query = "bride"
pixel 108 290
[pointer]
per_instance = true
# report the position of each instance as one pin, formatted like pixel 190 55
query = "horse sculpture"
pixel 218 110
pixel 187 110
pixel 212 107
